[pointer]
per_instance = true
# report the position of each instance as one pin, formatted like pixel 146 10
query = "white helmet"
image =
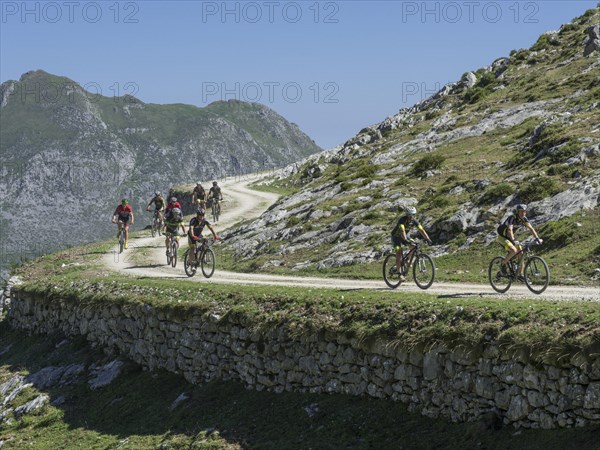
pixel 521 207
pixel 410 210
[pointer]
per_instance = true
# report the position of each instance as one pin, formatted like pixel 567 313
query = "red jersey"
pixel 172 205
pixel 123 212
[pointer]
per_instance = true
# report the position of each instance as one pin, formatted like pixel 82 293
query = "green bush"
pixel 538 189
pixel 366 171
pixel 497 192
pixel 487 79
pixel 520 55
pixel 440 201
pixel 475 94
pixel 544 42
pixel 428 162
pixel 567 151
pixel 292 221
pixel 567 27
pixel 346 186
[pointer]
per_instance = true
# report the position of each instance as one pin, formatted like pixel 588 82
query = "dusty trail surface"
pixel 244 203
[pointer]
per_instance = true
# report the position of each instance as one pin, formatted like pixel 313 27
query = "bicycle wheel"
pixel 208 262
pixel 190 269
pixel 174 248
pixel 121 241
pixel 154 228
pixel 537 275
pixel 423 271
pixel 214 212
pixel 391 276
pixel 499 282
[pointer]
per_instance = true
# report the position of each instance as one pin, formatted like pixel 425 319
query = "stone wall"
pixel 459 384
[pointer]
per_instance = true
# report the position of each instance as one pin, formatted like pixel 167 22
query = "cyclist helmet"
pixel 176 211
pixel 198 183
pixel 521 207
pixel 201 211
pixel 173 199
pixel 214 183
pixel 410 210
pixel 124 202
pixel 157 194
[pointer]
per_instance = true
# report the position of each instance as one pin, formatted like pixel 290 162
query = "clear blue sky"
pixel 330 67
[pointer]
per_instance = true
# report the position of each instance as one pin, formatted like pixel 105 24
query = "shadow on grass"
pixel 138 406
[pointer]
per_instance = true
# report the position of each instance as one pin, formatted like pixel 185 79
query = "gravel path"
pixel 244 203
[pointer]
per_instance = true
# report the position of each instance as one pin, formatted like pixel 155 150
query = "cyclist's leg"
pixel 509 247
pixel 397 247
pixel 192 250
pixel 521 260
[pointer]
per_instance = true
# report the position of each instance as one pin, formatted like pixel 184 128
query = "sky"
pixel 331 67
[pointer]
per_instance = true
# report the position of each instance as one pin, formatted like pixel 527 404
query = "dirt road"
pixel 244 203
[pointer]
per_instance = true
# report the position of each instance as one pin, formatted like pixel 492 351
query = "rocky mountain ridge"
pixel 70 155
pixel 524 129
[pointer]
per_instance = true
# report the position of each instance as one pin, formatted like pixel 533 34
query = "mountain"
pixel 526 128
pixel 69 156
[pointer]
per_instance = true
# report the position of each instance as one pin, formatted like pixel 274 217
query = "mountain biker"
pixel 159 205
pixel 124 213
pixel 506 237
pixel 195 229
pixel 199 195
pixel 399 234
pixel 173 203
pixel 173 220
pixel 214 192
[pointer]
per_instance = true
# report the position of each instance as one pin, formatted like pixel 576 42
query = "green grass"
pixel 134 412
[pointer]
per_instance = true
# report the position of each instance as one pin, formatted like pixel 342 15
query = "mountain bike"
pixel 536 272
pixel 204 256
pixel 216 209
pixel 173 248
pixel 423 268
pixel 157 223
pixel 122 238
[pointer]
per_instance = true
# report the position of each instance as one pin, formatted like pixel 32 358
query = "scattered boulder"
pixel 593 42
pixel 104 375
pixel 32 405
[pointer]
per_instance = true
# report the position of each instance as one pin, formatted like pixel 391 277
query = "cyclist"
pixel 159 205
pixel 214 194
pixel 399 234
pixel 195 229
pixel 199 195
pixel 506 237
pixel 173 203
pixel 174 220
pixel 124 213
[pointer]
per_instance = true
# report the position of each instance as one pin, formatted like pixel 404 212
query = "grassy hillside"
pixel 524 132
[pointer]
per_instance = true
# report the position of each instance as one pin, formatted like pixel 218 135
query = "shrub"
pixel 567 27
pixel 521 55
pixel 366 171
pixel 440 201
pixel 292 221
pixel 487 79
pixel 428 162
pixel 538 189
pixel 475 94
pixel 494 193
pixel 565 152
pixel 346 186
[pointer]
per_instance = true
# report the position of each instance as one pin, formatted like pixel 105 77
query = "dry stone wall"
pixel 455 383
